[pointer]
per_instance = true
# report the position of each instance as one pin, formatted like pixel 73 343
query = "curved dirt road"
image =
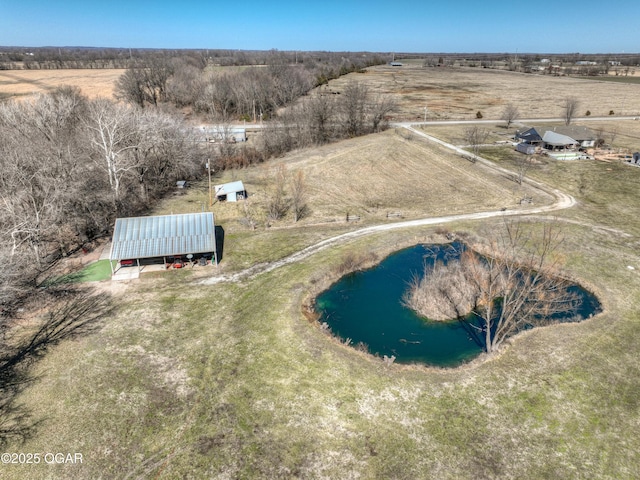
pixel 562 201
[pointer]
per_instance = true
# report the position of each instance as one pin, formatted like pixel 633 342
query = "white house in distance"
pixel 230 192
pixel 222 134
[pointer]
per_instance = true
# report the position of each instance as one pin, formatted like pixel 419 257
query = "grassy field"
pixel 94 272
pixel 232 380
pixel 93 83
pixel 618 79
pixel 460 92
pixel 236 380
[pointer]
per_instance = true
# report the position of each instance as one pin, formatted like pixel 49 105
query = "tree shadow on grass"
pixel 73 313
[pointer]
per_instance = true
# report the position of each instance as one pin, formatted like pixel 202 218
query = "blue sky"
pixel 586 26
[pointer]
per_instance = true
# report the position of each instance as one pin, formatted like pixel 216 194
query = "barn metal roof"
pixel 165 235
pixel 226 188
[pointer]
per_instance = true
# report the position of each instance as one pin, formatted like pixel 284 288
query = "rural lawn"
pixel 237 379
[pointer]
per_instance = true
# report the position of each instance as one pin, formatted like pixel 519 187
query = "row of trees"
pixel 42 58
pixel 68 167
pixel 225 94
pixel 325 117
pixel 316 119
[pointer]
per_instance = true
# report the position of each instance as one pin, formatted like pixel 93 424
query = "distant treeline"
pixel 43 58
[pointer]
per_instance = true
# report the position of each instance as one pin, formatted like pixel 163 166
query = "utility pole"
pixel 209 170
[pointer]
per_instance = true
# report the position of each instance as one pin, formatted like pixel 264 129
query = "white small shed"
pixel 230 192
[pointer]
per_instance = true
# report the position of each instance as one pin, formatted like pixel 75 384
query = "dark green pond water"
pixel 366 307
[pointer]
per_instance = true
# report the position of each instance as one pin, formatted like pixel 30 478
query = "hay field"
pixel 460 92
pixel 92 83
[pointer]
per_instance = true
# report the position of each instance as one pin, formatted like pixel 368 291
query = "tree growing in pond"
pixel 513 285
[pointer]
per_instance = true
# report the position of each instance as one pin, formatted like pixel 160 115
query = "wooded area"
pixel 68 167
pixel 71 165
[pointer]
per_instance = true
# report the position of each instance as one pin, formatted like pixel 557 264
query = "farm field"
pixel 236 379
pixel 460 92
pixel 92 83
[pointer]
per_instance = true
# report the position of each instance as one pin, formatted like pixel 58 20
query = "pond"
pixel 366 308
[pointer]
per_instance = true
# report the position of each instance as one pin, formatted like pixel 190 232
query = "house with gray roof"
pixel 565 137
pixel 529 135
pixel 584 136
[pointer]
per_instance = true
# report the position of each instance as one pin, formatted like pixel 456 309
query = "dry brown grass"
pixel 388 173
pixel 461 92
pixel 370 177
pixel 228 380
pixel 92 83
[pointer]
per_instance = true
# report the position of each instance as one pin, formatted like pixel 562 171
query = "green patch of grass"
pixel 94 272
pixel 618 79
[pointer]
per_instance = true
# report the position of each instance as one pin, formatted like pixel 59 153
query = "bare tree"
pixel 40 171
pixel 570 107
pixel 217 97
pixel 130 87
pixel 354 108
pixel 298 195
pixel 185 84
pixel 613 134
pixel 28 199
pixel 113 134
pixel 162 152
pixel 145 83
pixel 320 111
pixel 515 284
pixel 510 114
pixel 523 164
pixel 379 109
pixel 475 136
pixel 277 204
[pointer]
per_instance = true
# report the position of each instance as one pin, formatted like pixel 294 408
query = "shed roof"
pixel 164 235
pixel 227 188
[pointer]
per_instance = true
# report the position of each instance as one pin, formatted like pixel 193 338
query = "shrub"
pixel 588 112
pixel 352 262
pixel 611 112
pixel 479 114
